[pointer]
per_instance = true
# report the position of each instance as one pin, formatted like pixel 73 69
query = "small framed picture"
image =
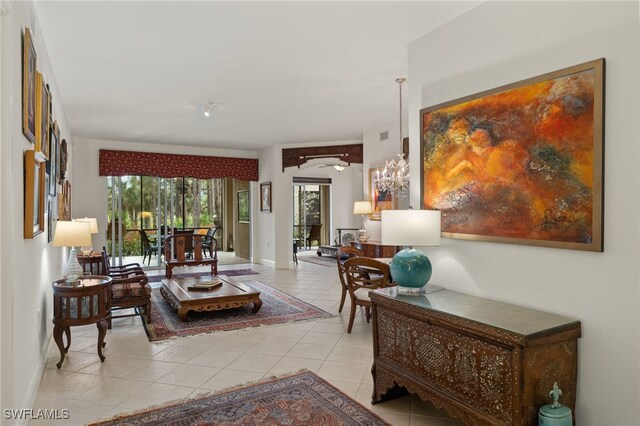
pixel 265 197
pixel 43 115
pixel 28 86
pixel 52 162
pixel 243 206
pixel 34 189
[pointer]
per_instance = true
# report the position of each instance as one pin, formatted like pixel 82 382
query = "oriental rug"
pixel 229 273
pixel 277 307
pixel 301 398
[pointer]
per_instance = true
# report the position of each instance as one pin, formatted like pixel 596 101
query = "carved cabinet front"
pixel 485 362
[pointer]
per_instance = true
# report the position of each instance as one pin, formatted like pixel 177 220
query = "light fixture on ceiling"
pixel 338 167
pixel 208 108
pixel 395 175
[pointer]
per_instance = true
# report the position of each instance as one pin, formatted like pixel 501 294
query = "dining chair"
pixel 363 275
pixel 344 253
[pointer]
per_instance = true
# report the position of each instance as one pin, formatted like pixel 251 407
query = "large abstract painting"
pixel 521 163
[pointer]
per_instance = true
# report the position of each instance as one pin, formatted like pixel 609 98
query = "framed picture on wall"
pixel 380 200
pixel 34 189
pixel 28 86
pixel 265 197
pixel 50 219
pixel 243 206
pixel 522 163
pixel 64 202
pixel 43 115
pixel 52 162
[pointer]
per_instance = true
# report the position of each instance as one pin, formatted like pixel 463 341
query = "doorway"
pixel 311 215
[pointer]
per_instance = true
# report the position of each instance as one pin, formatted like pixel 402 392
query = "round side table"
pixel 88 301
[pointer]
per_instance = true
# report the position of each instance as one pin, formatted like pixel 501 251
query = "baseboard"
pixel 267 262
pixel 36 379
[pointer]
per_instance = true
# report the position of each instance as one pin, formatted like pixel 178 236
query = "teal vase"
pixel 411 268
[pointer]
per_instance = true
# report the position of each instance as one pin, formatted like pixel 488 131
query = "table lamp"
pixel 72 234
pixel 362 208
pixel 86 250
pixel 411 268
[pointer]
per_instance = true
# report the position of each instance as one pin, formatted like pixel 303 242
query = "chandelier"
pixel 395 175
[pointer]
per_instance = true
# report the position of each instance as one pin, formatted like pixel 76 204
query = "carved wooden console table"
pixel 485 362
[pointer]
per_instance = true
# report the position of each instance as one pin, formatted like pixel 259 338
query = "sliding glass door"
pixel 142 211
pixel 310 215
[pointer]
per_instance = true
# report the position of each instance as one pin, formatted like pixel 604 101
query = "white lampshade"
pixel 410 228
pixel 72 234
pixel 92 221
pixel 362 207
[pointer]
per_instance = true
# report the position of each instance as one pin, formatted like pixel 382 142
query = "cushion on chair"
pixel 363 293
pixel 127 290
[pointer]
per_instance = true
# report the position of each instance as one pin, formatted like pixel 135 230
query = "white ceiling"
pixel 283 72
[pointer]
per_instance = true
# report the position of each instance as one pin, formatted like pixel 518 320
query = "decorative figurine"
pixel 555 414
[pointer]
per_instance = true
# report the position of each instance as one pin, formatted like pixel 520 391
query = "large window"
pixel 149 202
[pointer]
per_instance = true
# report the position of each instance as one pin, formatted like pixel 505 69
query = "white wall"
pixel 27 267
pixel 89 199
pixel 499 43
pixel 274 235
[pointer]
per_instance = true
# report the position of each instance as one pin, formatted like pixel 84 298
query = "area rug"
pixel 319 260
pixel 301 398
pixel 277 307
pixel 229 273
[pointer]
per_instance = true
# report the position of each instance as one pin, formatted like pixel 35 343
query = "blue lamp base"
pixel 411 271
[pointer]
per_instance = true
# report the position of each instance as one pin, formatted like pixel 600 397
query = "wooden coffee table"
pixel 232 294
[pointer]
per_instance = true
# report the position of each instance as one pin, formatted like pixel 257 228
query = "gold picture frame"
pixel 43 115
pixel 379 201
pixel 521 163
pixel 29 58
pixel 34 190
pixel 64 202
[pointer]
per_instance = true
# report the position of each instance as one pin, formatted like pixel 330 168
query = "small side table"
pixel 92 263
pixel 87 302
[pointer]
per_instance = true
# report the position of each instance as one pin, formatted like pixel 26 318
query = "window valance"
pixel 133 163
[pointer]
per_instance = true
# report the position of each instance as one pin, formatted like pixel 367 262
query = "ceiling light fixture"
pixel 207 109
pixel 338 167
pixel 395 176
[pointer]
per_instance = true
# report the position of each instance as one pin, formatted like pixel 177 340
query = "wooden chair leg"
pixel 342 299
pixel 367 312
pixel 352 316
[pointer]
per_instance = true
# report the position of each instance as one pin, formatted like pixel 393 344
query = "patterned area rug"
pixel 229 273
pixel 298 399
pixel 277 307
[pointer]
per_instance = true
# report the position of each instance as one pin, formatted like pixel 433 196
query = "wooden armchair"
pixel 363 275
pixel 130 289
pixel 175 253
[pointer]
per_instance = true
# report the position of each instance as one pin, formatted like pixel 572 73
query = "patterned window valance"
pixel 133 163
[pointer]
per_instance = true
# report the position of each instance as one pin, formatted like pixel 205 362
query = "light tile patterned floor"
pixel 137 374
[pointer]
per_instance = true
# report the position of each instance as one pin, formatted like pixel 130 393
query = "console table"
pixel 375 249
pixel 485 362
pixel 86 302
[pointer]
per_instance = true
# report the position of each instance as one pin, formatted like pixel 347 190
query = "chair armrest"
pixel 140 279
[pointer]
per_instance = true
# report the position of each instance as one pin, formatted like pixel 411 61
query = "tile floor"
pixel 137 374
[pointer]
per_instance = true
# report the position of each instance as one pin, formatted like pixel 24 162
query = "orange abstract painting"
pixel 520 164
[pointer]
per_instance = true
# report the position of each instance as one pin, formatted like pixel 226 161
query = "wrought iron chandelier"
pixel 395 175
